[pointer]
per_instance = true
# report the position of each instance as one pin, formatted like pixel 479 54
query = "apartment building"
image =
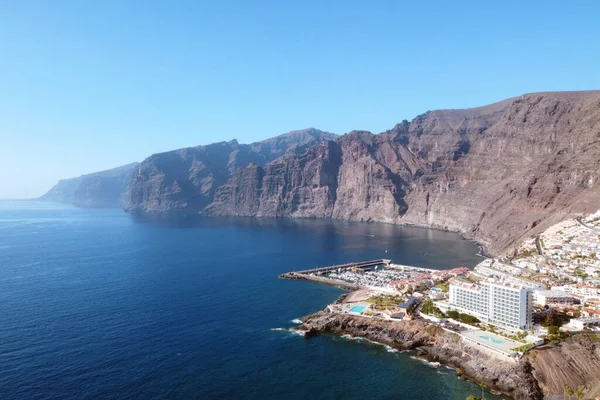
pixel 507 306
pixel 553 297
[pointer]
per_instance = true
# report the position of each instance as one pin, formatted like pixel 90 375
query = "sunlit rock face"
pixel 496 173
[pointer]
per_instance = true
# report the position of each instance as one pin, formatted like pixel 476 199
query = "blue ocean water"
pixel 98 304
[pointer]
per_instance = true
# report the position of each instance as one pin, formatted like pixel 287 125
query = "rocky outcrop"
pixel 575 362
pixel 432 342
pixel 541 373
pixel 497 173
pixel 100 189
pixel 188 179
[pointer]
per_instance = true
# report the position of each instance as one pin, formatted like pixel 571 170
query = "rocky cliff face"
pixel 575 362
pixel 187 179
pixel 496 173
pixel 100 189
pixel 541 373
pixel 514 379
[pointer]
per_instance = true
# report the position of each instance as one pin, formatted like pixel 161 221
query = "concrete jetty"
pixel 315 273
pixel 331 268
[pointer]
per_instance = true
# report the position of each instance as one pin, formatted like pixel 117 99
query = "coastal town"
pixel 543 292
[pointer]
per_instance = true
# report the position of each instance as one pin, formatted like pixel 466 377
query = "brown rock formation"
pixel 514 379
pixel 575 362
pixel 187 179
pixel 540 373
pixel 496 173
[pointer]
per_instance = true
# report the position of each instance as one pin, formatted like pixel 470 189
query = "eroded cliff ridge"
pixel 541 373
pixel 496 173
pixel 96 190
pixel 434 344
pixel 187 179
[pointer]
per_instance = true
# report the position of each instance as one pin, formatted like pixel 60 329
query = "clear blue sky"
pixel 90 85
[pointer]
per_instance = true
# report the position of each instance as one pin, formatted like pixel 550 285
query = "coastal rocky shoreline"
pixel 540 374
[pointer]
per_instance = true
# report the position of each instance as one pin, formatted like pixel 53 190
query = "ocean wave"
pixel 296 321
pixel 298 332
pixel 390 349
pixel 432 364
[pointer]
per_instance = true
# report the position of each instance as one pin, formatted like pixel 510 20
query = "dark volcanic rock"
pixel 435 344
pixel 541 372
pixel 100 189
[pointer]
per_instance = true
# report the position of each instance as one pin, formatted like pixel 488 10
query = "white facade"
pixel 505 272
pixel 508 307
pixel 579 290
pixel 547 297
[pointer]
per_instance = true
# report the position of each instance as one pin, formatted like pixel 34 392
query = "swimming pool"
pixel 491 339
pixel 358 309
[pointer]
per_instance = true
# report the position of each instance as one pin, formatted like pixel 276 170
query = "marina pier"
pixel 362 265
pixel 316 274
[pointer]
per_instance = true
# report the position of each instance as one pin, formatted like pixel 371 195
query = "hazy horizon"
pixel 93 86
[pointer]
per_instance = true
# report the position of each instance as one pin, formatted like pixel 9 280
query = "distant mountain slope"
pixel 495 173
pixel 99 189
pixel 187 179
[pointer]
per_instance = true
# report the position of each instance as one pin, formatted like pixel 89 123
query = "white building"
pixel 553 297
pixel 505 272
pixel 506 306
pixel 579 290
pixel 526 264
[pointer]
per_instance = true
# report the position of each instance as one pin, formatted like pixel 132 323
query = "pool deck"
pixel 496 343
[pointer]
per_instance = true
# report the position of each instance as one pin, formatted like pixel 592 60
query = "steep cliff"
pixel 496 173
pixel 100 189
pixel 541 373
pixel 575 362
pixel 187 179
pixel 514 379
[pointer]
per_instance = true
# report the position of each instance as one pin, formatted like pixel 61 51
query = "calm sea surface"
pixel 97 304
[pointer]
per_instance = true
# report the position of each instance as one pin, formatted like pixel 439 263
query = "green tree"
pixel 579 392
pixel 473 398
pixel 553 330
pixel 452 314
pixel 570 391
pixel 467 319
pixel 483 386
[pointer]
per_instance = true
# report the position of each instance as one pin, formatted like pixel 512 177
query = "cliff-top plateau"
pixel 497 173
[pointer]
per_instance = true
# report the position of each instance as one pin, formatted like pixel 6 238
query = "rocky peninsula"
pixel 539 374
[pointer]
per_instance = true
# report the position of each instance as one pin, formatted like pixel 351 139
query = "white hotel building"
pixel 506 306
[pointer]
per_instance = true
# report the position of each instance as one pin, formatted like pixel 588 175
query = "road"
pixel 538 244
